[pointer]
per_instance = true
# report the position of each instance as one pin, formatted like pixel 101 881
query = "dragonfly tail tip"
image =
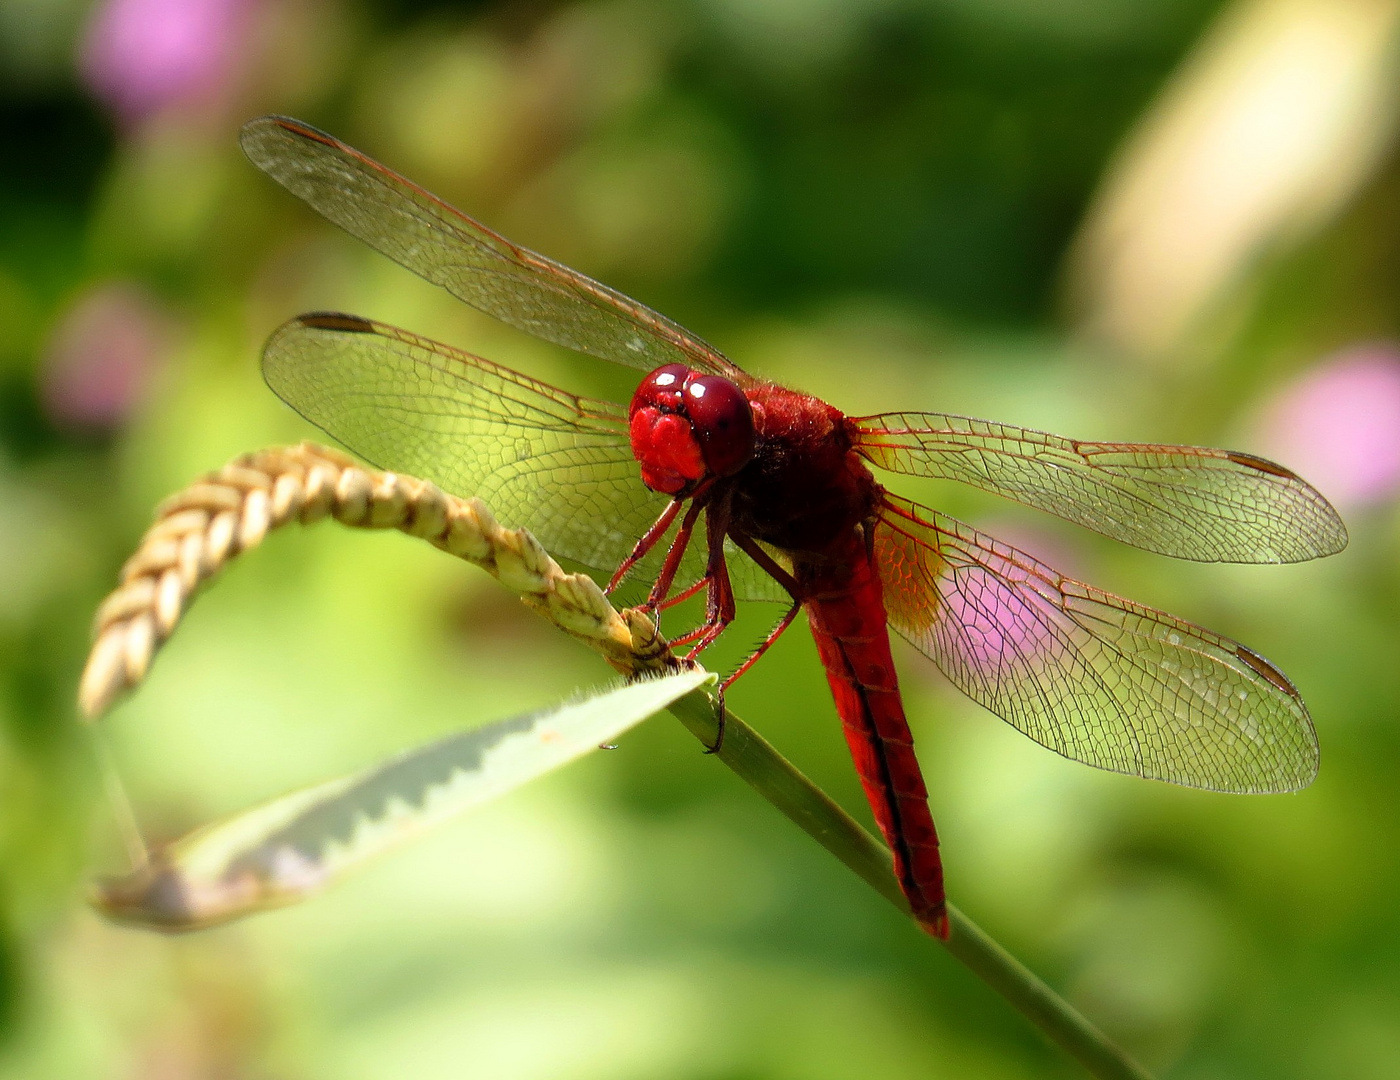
pixel 935 922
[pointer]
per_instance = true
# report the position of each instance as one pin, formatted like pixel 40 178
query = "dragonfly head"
pixel 686 426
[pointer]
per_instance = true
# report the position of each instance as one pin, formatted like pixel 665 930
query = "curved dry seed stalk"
pixel 201 528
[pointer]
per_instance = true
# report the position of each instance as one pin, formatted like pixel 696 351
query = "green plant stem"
pixel 778 781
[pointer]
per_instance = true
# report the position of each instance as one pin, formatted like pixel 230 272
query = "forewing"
pixel 448 248
pixel 1186 501
pixel 1088 674
pixel 553 462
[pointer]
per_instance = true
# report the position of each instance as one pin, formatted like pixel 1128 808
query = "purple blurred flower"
pixel 102 355
pixel 1338 425
pixel 142 56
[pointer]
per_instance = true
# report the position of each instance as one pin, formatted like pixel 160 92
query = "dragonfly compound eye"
pixel 661 389
pixel 723 422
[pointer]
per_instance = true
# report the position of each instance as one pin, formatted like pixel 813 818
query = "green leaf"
pixel 285 850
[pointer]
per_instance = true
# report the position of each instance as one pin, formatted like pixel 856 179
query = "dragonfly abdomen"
pixel 847 614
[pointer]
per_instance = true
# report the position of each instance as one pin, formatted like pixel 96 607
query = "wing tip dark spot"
pixel 334 320
pixel 1266 669
pixel 1264 465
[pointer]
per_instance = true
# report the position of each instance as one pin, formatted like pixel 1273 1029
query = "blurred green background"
pixel 1116 219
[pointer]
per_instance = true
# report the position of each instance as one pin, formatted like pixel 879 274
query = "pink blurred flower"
pixel 102 356
pixel 1338 425
pixel 997 632
pixel 1000 624
pixel 142 56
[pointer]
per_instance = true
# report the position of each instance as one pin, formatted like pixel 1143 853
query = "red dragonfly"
pixel 793 513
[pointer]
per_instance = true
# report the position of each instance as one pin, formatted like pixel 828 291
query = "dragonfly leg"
pixel 667 577
pixel 656 599
pixel 720 714
pixel 684 594
pixel 788 582
pixel 773 635
pixel 699 497
pixel 646 543
pixel 719 614
pixel 720 607
pixel 727 682
pixel 770 565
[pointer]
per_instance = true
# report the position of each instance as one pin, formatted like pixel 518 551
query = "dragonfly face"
pixel 685 426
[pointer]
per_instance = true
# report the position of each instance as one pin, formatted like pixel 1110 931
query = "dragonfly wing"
pixel 1186 501
pixel 555 462
pixel 448 248
pixel 1088 674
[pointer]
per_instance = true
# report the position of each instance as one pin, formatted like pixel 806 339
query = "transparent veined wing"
pixel 448 248
pixel 1186 501
pixel 1090 675
pixel 556 463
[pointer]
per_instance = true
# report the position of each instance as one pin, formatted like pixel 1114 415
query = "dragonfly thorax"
pixel 685 426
